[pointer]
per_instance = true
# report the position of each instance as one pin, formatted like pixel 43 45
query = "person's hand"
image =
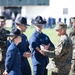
pixel 5 73
pixel 45 47
pixel 27 54
pixel 42 52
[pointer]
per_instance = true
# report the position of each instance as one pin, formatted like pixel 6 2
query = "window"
pixel 65 11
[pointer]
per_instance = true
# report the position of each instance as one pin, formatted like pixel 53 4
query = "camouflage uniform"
pixel 63 51
pixel 63 56
pixel 72 36
pixel 3 46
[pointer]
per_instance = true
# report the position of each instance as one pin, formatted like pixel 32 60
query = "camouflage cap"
pixel 72 19
pixel 60 25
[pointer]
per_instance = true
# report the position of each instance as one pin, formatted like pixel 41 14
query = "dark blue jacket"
pixel 13 60
pixel 36 40
pixel 24 47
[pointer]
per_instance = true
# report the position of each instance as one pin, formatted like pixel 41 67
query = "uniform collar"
pixel 37 33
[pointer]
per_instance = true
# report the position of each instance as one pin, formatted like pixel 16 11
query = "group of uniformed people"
pixel 14 49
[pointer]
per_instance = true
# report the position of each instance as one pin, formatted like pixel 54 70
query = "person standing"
pixel 21 24
pixel 72 36
pixel 63 51
pixel 13 21
pixel 38 38
pixel 13 57
pixel 3 43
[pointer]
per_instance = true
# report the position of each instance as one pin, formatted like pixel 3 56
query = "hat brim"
pixel 38 23
pixel 12 34
pixel 22 24
pixel 27 24
pixel 57 28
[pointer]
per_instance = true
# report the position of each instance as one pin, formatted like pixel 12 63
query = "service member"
pixel 38 38
pixel 72 36
pixel 13 57
pixel 3 43
pixel 21 24
pixel 63 51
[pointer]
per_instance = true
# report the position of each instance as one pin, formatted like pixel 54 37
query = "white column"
pixel 1 9
pixel 23 11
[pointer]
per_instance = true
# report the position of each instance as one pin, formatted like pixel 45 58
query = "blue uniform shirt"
pixel 13 60
pixel 36 40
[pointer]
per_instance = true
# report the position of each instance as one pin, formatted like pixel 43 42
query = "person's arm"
pixel 27 54
pixel 10 56
pixel 51 47
pixel 61 49
pixel 34 46
pixel 50 44
pixel 49 53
